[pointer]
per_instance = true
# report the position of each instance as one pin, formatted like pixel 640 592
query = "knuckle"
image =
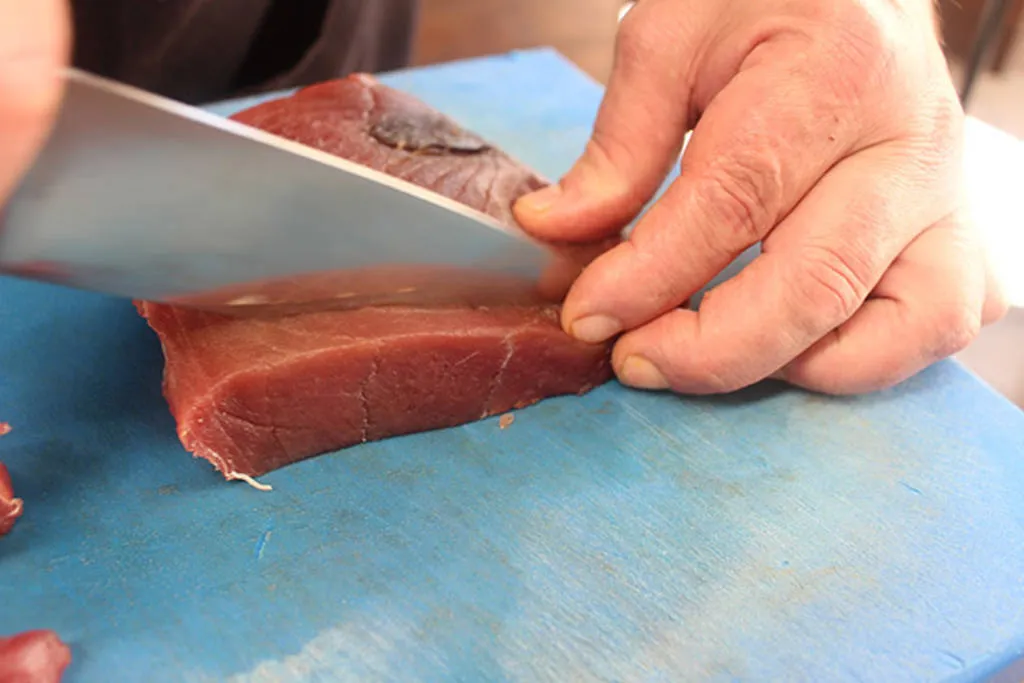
pixel 745 195
pixel 864 51
pixel 831 286
pixel 634 46
pixel 997 304
pixel 954 327
pixel 609 158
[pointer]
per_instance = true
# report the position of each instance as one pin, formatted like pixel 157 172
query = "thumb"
pixel 636 138
pixel 34 44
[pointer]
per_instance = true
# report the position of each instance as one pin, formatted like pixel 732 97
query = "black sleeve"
pixel 202 50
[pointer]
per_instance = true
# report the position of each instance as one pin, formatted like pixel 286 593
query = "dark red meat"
pixel 33 657
pixel 255 394
pixel 10 507
pixel 359 119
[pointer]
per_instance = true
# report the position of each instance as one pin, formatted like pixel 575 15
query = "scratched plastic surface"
pixel 619 537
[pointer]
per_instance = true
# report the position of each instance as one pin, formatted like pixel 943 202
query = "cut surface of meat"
pixel 33 657
pixel 10 507
pixel 252 394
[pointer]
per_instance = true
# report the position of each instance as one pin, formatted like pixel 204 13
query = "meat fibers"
pixel 255 393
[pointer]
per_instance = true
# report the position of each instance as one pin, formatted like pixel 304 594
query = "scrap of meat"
pixel 10 507
pixel 33 657
pixel 252 394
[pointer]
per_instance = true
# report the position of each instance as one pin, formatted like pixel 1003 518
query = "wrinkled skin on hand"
pixel 829 132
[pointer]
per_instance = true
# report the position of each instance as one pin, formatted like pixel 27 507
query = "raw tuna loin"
pixel 254 394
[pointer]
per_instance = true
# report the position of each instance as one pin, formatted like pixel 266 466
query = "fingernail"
pixel 595 328
pixel 641 373
pixel 542 200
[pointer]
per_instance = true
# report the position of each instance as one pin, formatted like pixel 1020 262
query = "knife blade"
pixel 141 196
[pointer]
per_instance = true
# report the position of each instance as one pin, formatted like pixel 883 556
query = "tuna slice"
pixel 254 394
pixel 33 657
pixel 10 507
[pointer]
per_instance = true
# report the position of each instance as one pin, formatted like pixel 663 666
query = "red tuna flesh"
pixel 254 394
pixel 33 657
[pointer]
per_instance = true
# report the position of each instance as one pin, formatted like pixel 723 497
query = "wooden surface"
pixel 767 536
pixel 582 30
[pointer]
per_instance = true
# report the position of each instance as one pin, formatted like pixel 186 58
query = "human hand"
pixel 831 133
pixel 34 43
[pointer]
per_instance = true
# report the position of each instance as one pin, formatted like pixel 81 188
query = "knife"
pixel 140 196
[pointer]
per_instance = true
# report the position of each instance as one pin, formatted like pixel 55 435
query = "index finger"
pixel 759 147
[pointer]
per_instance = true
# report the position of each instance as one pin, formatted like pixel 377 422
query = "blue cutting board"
pixel 767 536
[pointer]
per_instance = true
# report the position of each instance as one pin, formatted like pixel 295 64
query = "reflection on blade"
pixel 397 285
pixel 143 197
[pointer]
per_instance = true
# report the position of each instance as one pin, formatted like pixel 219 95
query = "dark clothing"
pixel 198 51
